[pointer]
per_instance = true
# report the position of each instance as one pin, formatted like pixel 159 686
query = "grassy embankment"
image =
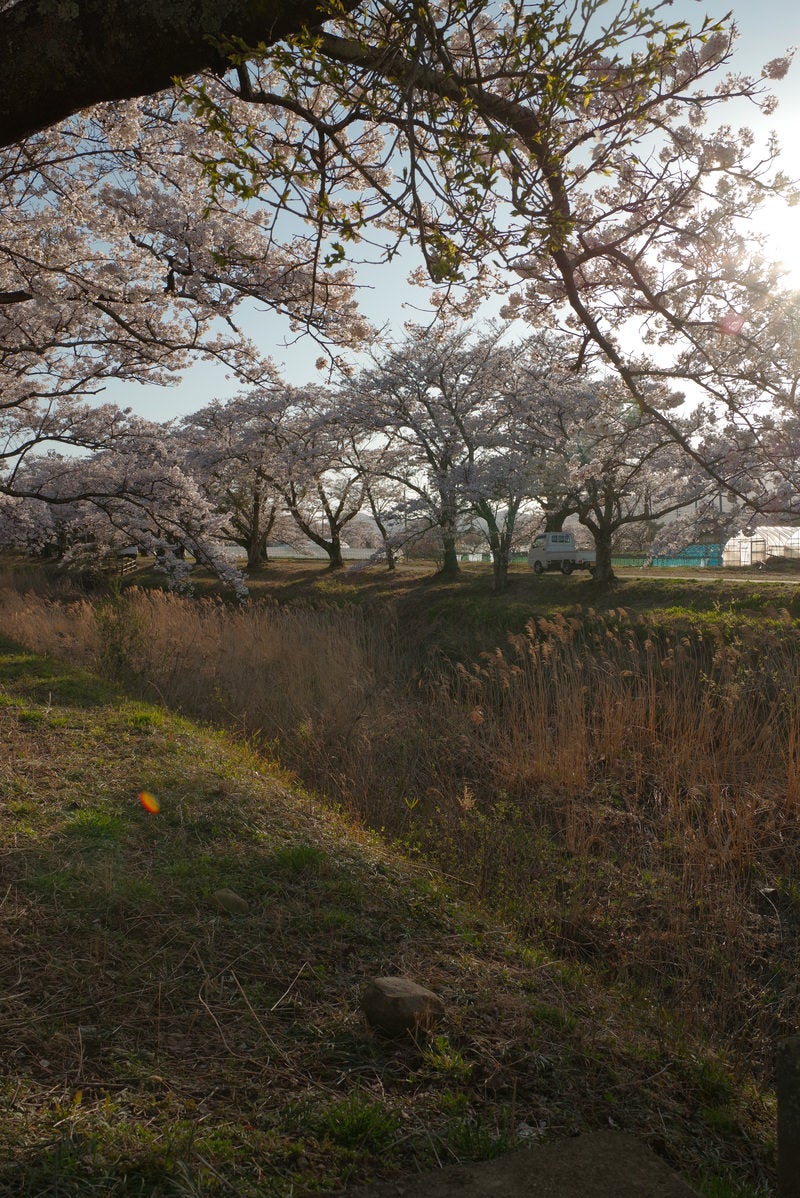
pixel 604 784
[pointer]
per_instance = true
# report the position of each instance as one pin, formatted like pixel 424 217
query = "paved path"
pixel 752 579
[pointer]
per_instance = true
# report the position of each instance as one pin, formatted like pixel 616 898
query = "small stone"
pixel 230 902
pixel 394 1006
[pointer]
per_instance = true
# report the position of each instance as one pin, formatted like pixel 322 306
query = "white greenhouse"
pixel 753 548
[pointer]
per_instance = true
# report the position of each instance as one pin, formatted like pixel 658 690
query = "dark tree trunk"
pixel 500 545
pixel 500 538
pixel 554 518
pixel 499 571
pixel 603 571
pixel 391 559
pixel 257 555
pixel 257 530
pixel 61 57
pixel 449 556
pixel 334 550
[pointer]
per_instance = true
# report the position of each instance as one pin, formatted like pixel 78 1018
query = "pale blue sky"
pixel 767 29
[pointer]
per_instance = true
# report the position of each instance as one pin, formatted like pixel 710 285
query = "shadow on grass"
pixel 44 680
pixel 156 1040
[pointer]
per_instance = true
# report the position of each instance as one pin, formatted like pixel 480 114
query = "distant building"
pixel 754 547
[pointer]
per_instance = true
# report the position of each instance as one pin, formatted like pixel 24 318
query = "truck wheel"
pixel 538 568
pixel 567 567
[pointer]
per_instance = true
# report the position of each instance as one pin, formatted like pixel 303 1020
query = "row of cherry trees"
pixel 451 429
pixel 580 167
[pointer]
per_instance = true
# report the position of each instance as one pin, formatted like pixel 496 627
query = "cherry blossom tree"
pixel 613 466
pixel 589 155
pixel 499 482
pixel 130 493
pixel 431 395
pixel 86 544
pixel 498 521
pixel 752 411
pixel 483 430
pixel 224 449
pixel 304 460
pixel 379 464
pixel 116 264
pixel 516 473
pixel 31 526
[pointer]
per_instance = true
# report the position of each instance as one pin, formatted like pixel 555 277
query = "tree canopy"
pixel 579 160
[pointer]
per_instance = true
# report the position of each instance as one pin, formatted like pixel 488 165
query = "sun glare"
pixel 780 226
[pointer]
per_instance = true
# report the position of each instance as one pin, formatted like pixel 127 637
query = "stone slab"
pixel 598 1165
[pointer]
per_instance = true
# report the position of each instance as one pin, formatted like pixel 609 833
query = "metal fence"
pixel 693 555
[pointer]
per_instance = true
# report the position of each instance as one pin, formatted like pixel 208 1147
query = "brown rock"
pixel 230 902
pixel 394 1006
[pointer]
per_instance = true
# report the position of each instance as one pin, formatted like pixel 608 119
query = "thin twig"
pixel 264 1031
pixel 275 1005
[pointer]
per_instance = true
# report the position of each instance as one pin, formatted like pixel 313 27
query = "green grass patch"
pixel 97 825
pixel 443 1058
pixel 359 1122
pixel 725 1185
pixel 48 682
pixel 301 859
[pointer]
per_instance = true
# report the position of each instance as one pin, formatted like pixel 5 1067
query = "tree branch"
pixel 61 57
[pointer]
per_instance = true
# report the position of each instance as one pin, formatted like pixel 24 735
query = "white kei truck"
pixel 556 551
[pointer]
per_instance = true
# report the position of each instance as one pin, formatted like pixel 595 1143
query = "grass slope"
pixel 154 1045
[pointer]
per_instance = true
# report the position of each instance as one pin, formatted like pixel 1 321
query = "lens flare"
pixel 149 802
pixel 732 324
